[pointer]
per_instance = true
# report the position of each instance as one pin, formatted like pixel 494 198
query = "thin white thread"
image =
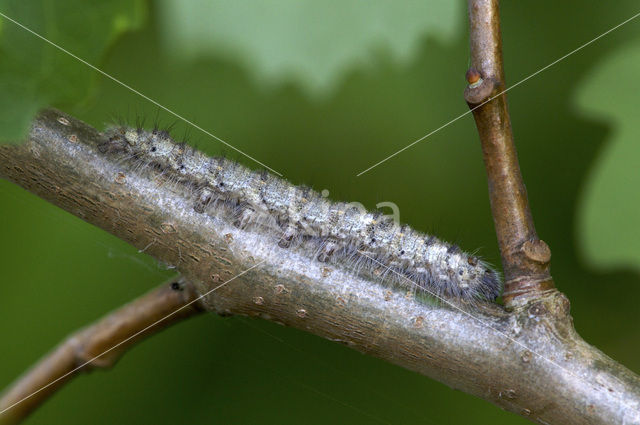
pixel 313 389
pixel 72 222
pixel 499 94
pixel 310 355
pixel 336 400
pixel 138 93
pixel 495 330
pixel 129 338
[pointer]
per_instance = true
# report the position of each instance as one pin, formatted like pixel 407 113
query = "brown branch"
pixel 528 360
pixel 83 351
pixel 525 258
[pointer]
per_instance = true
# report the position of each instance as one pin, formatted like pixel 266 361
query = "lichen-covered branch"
pixel 99 345
pixel 528 360
pixel 525 258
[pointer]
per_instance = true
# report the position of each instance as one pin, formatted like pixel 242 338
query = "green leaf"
pixel 309 41
pixel 609 217
pixel 34 74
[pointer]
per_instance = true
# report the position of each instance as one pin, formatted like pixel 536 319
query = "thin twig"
pixel 83 351
pixel 525 258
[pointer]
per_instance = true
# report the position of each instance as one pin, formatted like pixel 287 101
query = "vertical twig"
pixel 83 351
pixel 525 258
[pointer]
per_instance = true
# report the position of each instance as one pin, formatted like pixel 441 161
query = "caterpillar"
pixel 297 217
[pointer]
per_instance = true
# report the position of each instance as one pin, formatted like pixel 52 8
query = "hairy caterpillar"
pixel 300 218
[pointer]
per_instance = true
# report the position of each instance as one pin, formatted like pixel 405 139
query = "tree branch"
pixel 525 258
pixel 83 351
pixel 528 360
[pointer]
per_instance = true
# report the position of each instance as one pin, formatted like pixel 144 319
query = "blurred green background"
pixel 318 91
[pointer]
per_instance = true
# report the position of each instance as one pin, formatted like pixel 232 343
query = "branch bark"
pixel 525 258
pixel 528 360
pixel 100 345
